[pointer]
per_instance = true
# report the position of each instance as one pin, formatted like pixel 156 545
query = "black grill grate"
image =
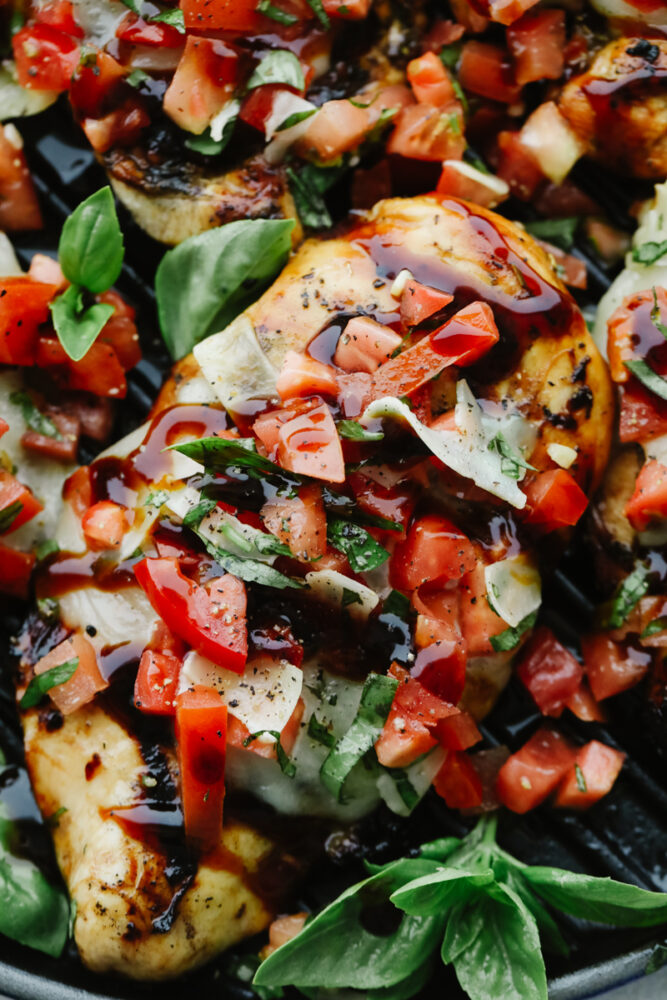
pixel 624 836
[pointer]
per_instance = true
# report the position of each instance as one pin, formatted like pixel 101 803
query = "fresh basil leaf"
pixel 207 280
pixel 438 892
pixel 196 514
pixel 133 6
pixel 396 604
pixel 353 431
pixel 450 54
pixel 655 315
pixel 350 597
pixel 278 66
pixel 650 252
pixel 407 988
pixel 602 900
pixel 46 549
pixel 376 698
pixel 207 146
pixel 511 637
pixel 172 16
pixel 361 549
pixel 275 13
pixel 298 116
pixel 441 849
pixel 336 949
pixel 287 766
pixel 34 418
pixel 560 232
pixel 91 243
pixel 310 204
pixel 40 685
pixel 655 627
pixel 511 461
pixel 9 514
pixel 251 570
pixel 78 327
pixel 320 733
pixel 648 377
pixel 137 76
pixel 508 872
pixel 318 9
pixel 32 911
pixel 629 593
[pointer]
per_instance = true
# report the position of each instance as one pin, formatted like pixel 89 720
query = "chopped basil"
pixel 320 733
pixel 450 54
pixel 511 461
pixel 136 77
pixel 196 514
pixel 511 637
pixel 318 9
pixel 40 685
pixel 361 549
pixel 353 431
pixel 133 6
pixel 172 16
pixel 53 820
pixel 654 627
pixel 208 146
pixel 376 698
pixel 650 252
pixel 34 418
pixel 250 570
pixel 278 66
pixel 9 514
pixel 308 188
pixel 560 232
pixel 648 377
pixel 298 116
pixel 581 780
pixel 156 498
pixel 46 549
pixel 408 793
pixel 628 595
pixel 396 604
pixel 655 315
pixel 475 160
pixel 286 765
pixel 275 13
pixel 339 503
pixel 48 608
pixel 350 597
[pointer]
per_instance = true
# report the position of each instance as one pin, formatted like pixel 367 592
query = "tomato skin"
pixel 355 10
pixel 308 444
pixel 612 667
pixel 137 31
pixel 458 732
pixel 121 330
pixel 549 672
pixel 301 375
pixel 104 524
pixel 536 42
pixel 423 132
pixel 599 766
pixel 337 128
pixel 478 619
pixel 24 305
pixel 430 80
pixel 299 522
pixel 4 426
pixel 257 106
pixel 643 414
pixel 414 713
pixel 517 166
pixel 46 58
pixel 15 571
pixel 94 82
pixel 86 680
pixel 555 500
pixel 433 552
pixel 194 613
pixel 78 490
pixel 531 774
pixel 649 499
pixel 419 302
pixel 12 491
pixel 156 683
pixel 19 207
pixel 395 503
pixel 458 783
pixel 201 734
pixel 584 706
pixel 486 70
pixel 454 183
pixel 226 15
pixel 59 14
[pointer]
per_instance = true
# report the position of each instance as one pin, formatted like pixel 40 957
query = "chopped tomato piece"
pixel 45 57
pixel 423 132
pixel 4 426
pixel 643 414
pixel 78 490
pixel 419 302
pixel 156 683
pixel 15 571
pixel 94 83
pixel 62 449
pixel 438 614
pixel 337 128
pixel 283 929
pixel 611 666
pixel 86 680
pixel 631 331
pixel 364 344
pixel 104 525
pixel 211 619
pixel 478 619
pixel 430 80
pixel 458 783
pixel 99 371
pixel 203 83
pixel 536 42
pixel 349 10
pixel 549 672
pixel 59 14
pixel 395 503
pixel 201 735
pixel 441 669
pixel 591 776
pixel 458 180
pixel 227 15
pixel 468 335
pixel 414 713
pixel 299 522
pixel 24 304
pixel 309 445
pixel 19 207
pixel 13 492
pixel 487 70
pixel 584 706
pixel 530 775
pixel 302 375
pixel 458 732
pixel 238 733
pixel 137 31
pixel 257 106
pixel 555 500
pixel 649 499
pixel 517 166
pixel 433 552
pixel 121 330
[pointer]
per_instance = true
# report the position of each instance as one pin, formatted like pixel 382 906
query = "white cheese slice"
pixel 222 119
pixel 514 588
pixel 9 265
pixel 144 519
pixel 16 101
pixel 117 616
pixel 420 775
pixel 336 588
pixel 126 445
pixel 234 364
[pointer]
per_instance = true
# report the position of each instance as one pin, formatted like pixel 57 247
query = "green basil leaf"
pixel 32 911
pixel 298 116
pixel 441 849
pixel 602 900
pixel 511 461
pixel 407 987
pixel 46 549
pixel 319 12
pixel 196 514
pixel 9 514
pixel 339 503
pixel 207 146
pixel 376 698
pixel 439 891
pixel 511 637
pixel 159 497
pixel 629 593
pixel 648 377
pixel 207 280
pixel 77 327
pixel 650 252
pixel 655 315
pixel 275 13
pixel 278 66
pixel 286 765
pixel 320 733
pixel 560 232
pixel 91 243
pixel 137 76
pixel 509 873
pixel 251 570
pixel 310 204
pixel 337 950
pixel 361 549
pixel 40 685
pixel 34 418
pixel 172 16
pixel 396 604
pixel 133 6
pixel 353 431
pixel 450 54
pixel 350 597
pixel 655 627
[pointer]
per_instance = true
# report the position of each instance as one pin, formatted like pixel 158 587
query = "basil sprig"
pixel 91 253
pixel 628 594
pixel 41 684
pixel 207 280
pixel 361 549
pixel 484 908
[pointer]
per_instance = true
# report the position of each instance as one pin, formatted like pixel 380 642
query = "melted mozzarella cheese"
pixel 514 588
pixel 122 616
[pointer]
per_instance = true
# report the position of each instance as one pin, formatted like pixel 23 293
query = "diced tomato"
pixel 612 667
pixel 99 371
pixel 95 83
pixel 121 330
pixel 364 345
pixel 203 83
pixel 59 14
pixel 457 180
pixel 487 70
pixel 430 80
pixel 508 11
pixel 433 552
pixel 441 669
pixel 86 680
pixel 302 375
pixel 631 331
pixel 201 735
pixel 591 776
pixel 299 522
pixel 78 490
pixel 438 617
pixel 584 706
pixel 121 127
pixel 4 426
pixel 517 166
pixel 553 141
pixel 478 619
pixel 226 15
pixel 571 269
pixel 555 500
pixel 468 335
pixel 419 302
pixel 94 415
pixel 104 525
pixel 62 449
pixel 309 445
pixel 458 732
pixel 45 57
pixel 532 774
pixel 211 619
pixel 458 783
pixel 549 672
pixel 284 928
pixel 423 132
pixel 156 683
pixel 238 733
pixel 536 42
pixel 337 128
pixel 395 503
pixel 19 207
pixel 24 304
pixel 13 492
pixel 354 392
pixel 15 571
pixel 414 713
pixel 467 15
pixel 349 10
pixel 257 106
pixel 137 31
pixel 643 414
pixel 649 500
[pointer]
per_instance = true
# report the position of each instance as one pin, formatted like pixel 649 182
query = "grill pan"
pixel 624 836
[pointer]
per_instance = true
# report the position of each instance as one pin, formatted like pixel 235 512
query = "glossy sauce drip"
pixel 605 96
pixel 647 340
pixel 110 480
pixel 185 421
pixel 73 572
pixel 115 658
pixel 323 345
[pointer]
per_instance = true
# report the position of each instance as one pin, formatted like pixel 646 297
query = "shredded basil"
pixel 156 498
pixel 298 116
pixel 655 627
pixel 40 685
pixel 9 514
pixel 34 418
pixel 286 765
pixel 308 188
pixel 275 13
pixel 581 780
pixel 172 16
pixel 350 597
pixel 46 549
pixel 353 431
pixel 511 637
pixel 650 252
pixel 511 461
pixel 655 315
pixel 361 549
pixel 318 9
pixel 396 604
pixel 628 594
pixel 560 232
pixel 648 377
pixel 320 733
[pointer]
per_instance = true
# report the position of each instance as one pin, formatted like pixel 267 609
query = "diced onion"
pixel 561 454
